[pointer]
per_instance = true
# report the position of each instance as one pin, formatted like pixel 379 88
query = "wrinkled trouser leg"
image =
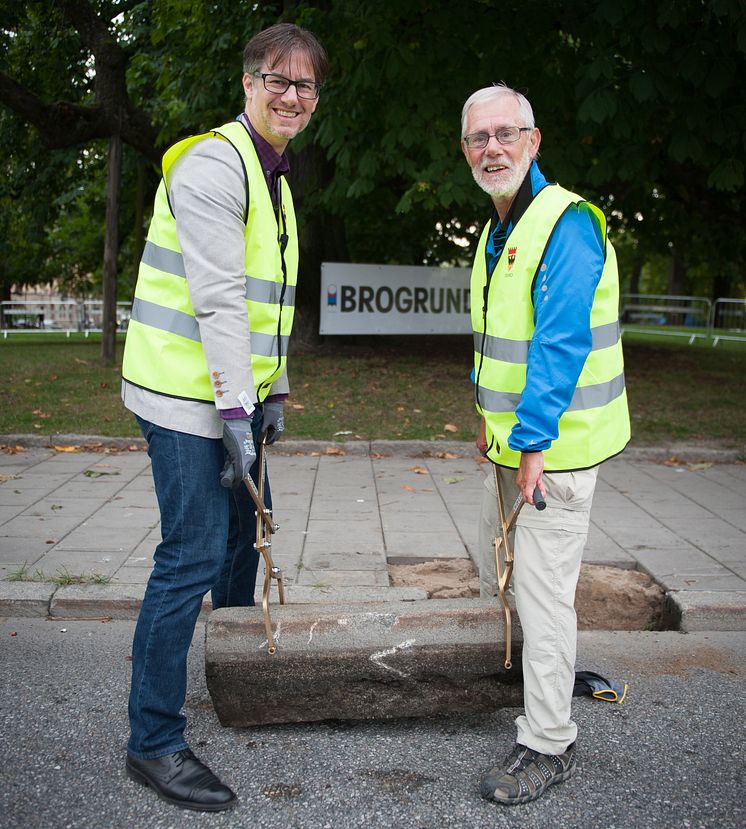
pixel 548 549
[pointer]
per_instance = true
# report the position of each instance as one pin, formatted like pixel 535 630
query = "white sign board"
pixel 394 299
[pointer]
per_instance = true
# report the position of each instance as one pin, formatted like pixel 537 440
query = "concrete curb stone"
pixel 121 602
pixel 708 610
pixel 25 598
pixel 382 660
pixel 407 448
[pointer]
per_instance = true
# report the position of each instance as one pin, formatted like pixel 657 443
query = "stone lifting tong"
pixel 265 527
pixel 502 540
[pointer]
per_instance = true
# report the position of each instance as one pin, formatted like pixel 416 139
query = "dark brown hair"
pixel 277 42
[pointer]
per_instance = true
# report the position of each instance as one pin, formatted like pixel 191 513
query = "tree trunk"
pixel 321 239
pixel 677 275
pixel 111 248
pixel 677 284
pixel 139 230
pixel 636 275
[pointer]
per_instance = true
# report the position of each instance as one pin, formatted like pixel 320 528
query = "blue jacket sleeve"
pixel 563 296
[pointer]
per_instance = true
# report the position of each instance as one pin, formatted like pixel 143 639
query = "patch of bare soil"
pixel 610 598
pixel 452 578
pixel 607 598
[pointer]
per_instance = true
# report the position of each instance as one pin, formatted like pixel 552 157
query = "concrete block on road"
pixel 300 594
pixel 374 661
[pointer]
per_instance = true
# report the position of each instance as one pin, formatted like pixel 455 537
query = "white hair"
pixel 491 93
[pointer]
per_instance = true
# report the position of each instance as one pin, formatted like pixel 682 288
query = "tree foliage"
pixel 639 105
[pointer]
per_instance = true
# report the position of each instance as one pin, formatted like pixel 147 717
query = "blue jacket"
pixel 562 337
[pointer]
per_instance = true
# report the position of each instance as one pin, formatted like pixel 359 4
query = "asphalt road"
pixel 669 757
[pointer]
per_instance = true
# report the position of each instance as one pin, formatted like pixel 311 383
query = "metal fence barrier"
pixel 68 316
pixel 728 320
pixel 693 317
pixel 667 315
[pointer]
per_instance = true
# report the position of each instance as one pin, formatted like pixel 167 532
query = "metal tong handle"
pixel 265 527
pixel 504 573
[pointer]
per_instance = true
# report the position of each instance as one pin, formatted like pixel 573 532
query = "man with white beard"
pixel 549 383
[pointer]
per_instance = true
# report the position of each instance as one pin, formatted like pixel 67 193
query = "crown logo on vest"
pixel 511 257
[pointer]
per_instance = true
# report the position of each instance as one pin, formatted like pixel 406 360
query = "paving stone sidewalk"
pixel 347 511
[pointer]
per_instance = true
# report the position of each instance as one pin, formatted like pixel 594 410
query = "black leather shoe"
pixel 183 780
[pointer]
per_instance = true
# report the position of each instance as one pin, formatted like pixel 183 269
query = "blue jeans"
pixel 237 579
pixel 200 530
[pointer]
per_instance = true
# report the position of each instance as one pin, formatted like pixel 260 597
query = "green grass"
pixel 685 393
pixel 61 578
pixel 384 388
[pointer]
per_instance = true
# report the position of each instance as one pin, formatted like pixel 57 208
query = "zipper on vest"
pixel 485 295
pixel 282 241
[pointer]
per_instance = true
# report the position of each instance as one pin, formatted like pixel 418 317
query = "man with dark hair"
pixel 204 372
pixel 550 388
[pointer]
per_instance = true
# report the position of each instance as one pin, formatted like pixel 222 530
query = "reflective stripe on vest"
pixel 516 351
pixel 163 350
pixel 595 425
pixel 257 290
pixel 185 325
pixel 584 397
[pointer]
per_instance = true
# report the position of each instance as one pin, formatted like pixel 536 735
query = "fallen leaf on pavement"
pixel 64 448
pixel 4 478
pixel 420 470
pixel 334 450
pixel 454 480
pixel 408 488
pixel 12 450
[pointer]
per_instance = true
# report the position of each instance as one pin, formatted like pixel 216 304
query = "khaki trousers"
pixel 547 548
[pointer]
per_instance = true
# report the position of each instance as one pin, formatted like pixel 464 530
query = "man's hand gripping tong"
pixel 265 527
pixel 505 569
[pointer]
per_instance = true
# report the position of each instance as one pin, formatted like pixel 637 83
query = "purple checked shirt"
pixel 273 165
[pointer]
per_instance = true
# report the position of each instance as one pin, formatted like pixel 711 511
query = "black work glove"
pixel 274 421
pixel 239 443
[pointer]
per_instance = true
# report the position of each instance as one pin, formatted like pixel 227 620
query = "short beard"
pixel 504 189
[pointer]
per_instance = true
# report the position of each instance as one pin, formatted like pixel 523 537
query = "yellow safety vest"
pixel 163 351
pixel 595 425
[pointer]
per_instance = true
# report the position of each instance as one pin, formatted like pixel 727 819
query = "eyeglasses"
pixel 277 84
pixel 506 135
